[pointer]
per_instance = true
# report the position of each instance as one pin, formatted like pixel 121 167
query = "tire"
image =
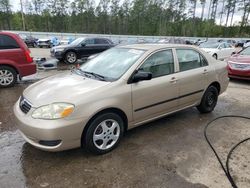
pixel 209 100
pixel 8 76
pixel 70 57
pixel 95 137
pixel 215 56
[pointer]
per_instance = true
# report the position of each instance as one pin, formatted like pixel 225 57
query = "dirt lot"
pixel 170 152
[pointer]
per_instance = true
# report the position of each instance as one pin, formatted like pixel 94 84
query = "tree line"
pixel 133 17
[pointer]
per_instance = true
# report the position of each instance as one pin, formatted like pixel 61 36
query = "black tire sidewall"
pixel 66 60
pixel 14 76
pixel 88 137
pixel 203 107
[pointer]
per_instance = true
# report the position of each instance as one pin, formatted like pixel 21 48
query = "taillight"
pixel 28 57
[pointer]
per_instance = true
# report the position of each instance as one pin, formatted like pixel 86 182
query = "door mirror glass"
pixel 141 75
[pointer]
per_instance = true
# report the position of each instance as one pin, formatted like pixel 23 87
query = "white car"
pixel 219 50
pixel 247 44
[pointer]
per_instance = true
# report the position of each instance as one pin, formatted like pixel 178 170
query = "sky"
pixel 237 17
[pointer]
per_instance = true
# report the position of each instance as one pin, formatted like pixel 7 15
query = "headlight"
pixel 239 66
pixel 53 111
pixel 59 49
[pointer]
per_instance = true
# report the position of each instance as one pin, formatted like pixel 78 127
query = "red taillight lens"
pixel 28 57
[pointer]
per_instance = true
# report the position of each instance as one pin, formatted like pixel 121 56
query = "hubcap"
pixel 6 77
pixel 71 57
pixel 210 99
pixel 106 134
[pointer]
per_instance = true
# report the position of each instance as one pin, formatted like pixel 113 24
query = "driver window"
pixel 159 64
pixel 89 41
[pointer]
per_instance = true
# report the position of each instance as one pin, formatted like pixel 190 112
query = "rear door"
pixel 192 76
pixel 157 96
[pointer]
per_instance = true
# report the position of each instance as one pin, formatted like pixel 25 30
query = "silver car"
pixel 121 88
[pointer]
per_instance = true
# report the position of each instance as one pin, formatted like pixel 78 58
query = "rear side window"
pixel 101 41
pixel 7 42
pixel 159 64
pixel 190 59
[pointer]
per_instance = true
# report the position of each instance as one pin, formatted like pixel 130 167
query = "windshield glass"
pixel 77 41
pixel 113 63
pixel 209 45
pixel 245 51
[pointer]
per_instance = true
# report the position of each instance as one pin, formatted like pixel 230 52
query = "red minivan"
pixel 15 59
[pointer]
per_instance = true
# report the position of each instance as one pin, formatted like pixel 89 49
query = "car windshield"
pixel 245 51
pixel 209 45
pixel 77 41
pixel 113 63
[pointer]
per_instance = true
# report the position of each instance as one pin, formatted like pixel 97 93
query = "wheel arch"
pixel 107 110
pixel 9 65
pixel 216 85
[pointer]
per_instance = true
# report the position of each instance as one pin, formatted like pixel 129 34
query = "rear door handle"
pixel 205 71
pixel 173 80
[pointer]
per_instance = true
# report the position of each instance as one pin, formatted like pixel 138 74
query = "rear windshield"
pixel 7 42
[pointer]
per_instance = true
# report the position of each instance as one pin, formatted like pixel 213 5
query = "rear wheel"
pixel 8 76
pixel 209 100
pixel 104 133
pixel 70 57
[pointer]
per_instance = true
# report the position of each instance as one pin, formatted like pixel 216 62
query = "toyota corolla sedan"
pixel 239 65
pixel 219 50
pixel 121 88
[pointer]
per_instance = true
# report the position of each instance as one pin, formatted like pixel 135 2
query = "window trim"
pixel 182 48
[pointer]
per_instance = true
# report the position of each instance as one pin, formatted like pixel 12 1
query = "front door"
pixel 156 96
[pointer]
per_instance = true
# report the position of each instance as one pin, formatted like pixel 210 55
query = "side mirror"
pixel 83 44
pixel 233 53
pixel 140 76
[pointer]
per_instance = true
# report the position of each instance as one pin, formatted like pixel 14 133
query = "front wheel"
pixel 104 133
pixel 70 57
pixel 209 100
pixel 8 76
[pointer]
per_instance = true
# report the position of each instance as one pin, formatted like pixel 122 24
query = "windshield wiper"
pixel 100 77
pixel 84 73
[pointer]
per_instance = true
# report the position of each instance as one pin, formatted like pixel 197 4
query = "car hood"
pixel 240 58
pixel 65 87
pixel 209 49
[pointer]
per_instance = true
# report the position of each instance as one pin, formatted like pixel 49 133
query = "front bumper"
pixel 57 55
pixel 239 74
pixel 38 131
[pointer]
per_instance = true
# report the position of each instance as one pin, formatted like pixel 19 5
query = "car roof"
pixel 155 46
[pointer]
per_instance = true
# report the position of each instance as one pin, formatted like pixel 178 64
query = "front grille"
pixel 24 105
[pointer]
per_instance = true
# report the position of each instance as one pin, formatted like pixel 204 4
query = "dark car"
pixel 241 43
pixel 29 40
pixel 81 48
pixel 239 65
pixel 15 59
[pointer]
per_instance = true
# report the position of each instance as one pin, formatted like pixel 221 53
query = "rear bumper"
pixel 27 69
